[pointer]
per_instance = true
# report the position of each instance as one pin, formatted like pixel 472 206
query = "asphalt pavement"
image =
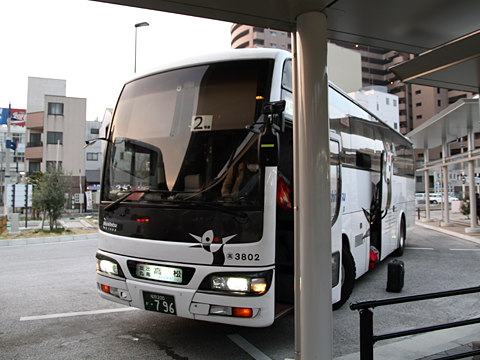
pixel 425 347
pixel 442 343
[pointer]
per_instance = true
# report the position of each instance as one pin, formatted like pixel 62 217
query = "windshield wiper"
pixel 240 214
pixel 114 204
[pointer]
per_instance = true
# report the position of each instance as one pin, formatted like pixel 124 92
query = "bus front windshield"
pixel 181 136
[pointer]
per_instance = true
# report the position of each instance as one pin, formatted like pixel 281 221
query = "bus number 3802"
pixel 245 257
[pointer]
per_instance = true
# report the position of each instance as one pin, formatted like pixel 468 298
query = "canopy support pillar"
pixel 312 179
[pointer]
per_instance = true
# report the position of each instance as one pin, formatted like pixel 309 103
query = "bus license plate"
pixel 159 303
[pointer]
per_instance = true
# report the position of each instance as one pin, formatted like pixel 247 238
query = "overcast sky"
pixel 91 45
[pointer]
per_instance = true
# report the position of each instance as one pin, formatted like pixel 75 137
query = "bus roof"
pixel 229 55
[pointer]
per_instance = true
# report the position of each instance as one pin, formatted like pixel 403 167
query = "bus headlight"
pixel 238 283
pixel 335 268
pixel 107 266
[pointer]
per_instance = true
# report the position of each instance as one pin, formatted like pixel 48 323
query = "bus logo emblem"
pixel 209 242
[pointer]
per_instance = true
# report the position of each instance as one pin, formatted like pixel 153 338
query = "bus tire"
pixel 348 277
pixel 401 240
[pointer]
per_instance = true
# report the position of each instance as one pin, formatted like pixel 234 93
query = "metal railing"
pixel 368 339
pixel 34 143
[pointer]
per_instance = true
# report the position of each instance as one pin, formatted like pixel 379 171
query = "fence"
pixel 368 339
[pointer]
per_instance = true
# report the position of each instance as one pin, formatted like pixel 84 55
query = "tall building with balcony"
pixel 416 103
pixel 55 129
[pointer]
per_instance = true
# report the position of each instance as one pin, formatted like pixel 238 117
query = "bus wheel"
pixel 401 241
pixel 348 277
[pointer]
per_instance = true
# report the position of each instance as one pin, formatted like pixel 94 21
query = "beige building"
pixel 55 130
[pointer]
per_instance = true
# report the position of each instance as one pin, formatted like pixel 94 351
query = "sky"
pixel 91 45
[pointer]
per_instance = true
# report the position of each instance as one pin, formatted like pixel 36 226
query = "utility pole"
pixel 7 161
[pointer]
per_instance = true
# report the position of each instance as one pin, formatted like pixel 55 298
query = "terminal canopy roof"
pixel 413 26
pixel 451 124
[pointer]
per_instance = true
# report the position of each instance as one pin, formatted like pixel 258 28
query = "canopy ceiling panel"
pixel 410 25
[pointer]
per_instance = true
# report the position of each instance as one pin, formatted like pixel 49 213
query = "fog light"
pixel 220 310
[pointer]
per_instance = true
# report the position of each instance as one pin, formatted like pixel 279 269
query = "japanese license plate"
pixel 162 273
pixel 159 303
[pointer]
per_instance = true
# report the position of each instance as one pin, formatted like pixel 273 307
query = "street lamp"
pixel 136 26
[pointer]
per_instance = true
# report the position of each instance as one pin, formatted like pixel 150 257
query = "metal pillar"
pixel 296 190
pixel 312 217
pixel 471 186
pixel 427 186
pixel 445 204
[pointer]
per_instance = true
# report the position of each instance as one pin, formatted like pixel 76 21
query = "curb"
pixel 48 240
pixel 449 232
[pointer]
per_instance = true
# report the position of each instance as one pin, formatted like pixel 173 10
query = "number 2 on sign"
pixel 201 123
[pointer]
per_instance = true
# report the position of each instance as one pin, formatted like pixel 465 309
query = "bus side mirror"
pixel 274 110
pixel 269 144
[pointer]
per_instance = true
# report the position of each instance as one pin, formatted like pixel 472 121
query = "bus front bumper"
pixel 255 311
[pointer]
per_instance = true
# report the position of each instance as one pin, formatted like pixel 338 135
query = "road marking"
pixel 91 312
pixel 464 249
pixel 248 348
pixel 417 248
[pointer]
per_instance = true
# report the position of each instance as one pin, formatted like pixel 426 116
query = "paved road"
pixel 56 279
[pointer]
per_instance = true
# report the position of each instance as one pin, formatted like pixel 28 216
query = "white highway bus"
pixel 196 214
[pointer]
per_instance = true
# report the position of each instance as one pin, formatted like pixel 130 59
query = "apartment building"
pixel 55 130
pixel 93 155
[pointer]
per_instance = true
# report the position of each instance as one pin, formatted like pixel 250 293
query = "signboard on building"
pixel 19 114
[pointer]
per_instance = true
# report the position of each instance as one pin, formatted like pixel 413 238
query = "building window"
pixel 55 109
pixel 273 33
pixel 52 165
pixel 420 155
pixel 19 158
pixel 94 131
pixel 35 140
pixel 33 166
pixel 438 90
pixel 395 102
pixel 419 179
pixel 439 102
pixel 418 104
pixel 419 117
pixel 54 137
pixel 92 156
pixel 395 126
pixel 388 101
pixel 273 45
pixel 418 92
